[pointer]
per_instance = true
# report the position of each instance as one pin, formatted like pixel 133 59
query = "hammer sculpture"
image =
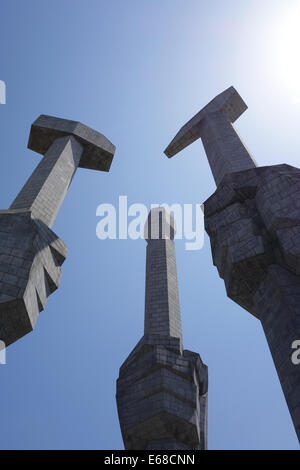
pixel 253 221
pixel 30 252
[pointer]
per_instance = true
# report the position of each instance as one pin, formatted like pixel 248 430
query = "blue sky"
pixel 136 71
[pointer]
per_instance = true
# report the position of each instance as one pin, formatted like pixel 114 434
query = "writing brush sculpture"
pixel 162 388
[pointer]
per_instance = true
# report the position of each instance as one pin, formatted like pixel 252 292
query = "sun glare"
pixel 287 50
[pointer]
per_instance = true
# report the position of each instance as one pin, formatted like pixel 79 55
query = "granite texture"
pixel 253 221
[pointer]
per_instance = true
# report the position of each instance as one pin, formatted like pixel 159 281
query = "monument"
pixel 162 388
pixel 31 254
pixel 253 221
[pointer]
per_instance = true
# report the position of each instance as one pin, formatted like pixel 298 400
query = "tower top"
pixel 224 148
pixel 160 224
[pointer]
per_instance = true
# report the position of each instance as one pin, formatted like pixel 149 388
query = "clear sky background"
pixel 137 70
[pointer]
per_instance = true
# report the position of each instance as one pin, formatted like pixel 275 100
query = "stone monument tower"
pixel 162 388
pixel 253 221
pixel 31 254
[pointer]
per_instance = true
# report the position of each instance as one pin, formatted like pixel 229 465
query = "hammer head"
pixel 229 102
pixel 98 151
